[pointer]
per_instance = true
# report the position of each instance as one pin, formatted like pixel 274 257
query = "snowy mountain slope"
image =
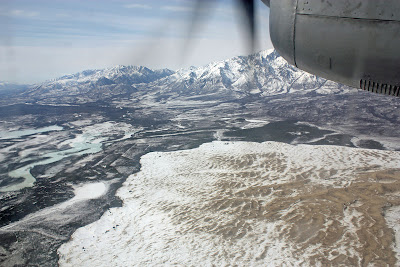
pixel 93 85
pixel 263 74
pixel 115 75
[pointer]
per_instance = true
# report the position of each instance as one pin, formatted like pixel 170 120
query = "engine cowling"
pixel 354 42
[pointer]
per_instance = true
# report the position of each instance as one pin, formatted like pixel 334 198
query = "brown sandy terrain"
pixel 316 217
pixel 251 204
pixel 331 224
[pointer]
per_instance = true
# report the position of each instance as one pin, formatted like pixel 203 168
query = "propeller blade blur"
pixel 248 10
pixel 200 9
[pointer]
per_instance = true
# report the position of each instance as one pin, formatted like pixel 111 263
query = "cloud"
pixel 138 6
pixel 23 13
pixel 177 8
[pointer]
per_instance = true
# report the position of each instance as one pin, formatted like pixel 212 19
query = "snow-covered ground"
pixel 246 204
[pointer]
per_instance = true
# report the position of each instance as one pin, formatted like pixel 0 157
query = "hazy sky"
pixel 42 40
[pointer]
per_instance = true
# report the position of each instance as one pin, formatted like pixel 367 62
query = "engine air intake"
pixel 380 88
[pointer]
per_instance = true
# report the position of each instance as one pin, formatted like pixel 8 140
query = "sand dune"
pixel 241 203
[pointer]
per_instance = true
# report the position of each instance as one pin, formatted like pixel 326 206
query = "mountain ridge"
pixel 263 74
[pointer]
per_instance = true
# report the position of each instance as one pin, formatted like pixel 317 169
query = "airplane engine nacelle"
pixel 355 42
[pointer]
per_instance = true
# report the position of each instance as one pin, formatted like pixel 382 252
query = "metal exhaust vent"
pixel 379 88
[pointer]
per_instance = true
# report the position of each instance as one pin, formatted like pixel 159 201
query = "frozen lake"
pixel 20 133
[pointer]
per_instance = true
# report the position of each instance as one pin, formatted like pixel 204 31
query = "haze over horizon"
pixel 44 39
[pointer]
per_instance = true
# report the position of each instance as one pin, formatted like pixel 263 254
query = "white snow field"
pixel 248 204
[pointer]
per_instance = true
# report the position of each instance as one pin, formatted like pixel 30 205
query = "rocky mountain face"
pixel 93 85
pixel 263 74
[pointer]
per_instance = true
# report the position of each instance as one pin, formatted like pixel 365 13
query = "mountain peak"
pixel 264 73
pixel 266 53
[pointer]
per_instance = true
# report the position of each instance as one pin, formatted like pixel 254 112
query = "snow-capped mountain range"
pixel 264 74
pixel 116 75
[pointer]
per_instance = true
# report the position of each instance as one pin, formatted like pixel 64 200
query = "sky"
pixel 45 39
